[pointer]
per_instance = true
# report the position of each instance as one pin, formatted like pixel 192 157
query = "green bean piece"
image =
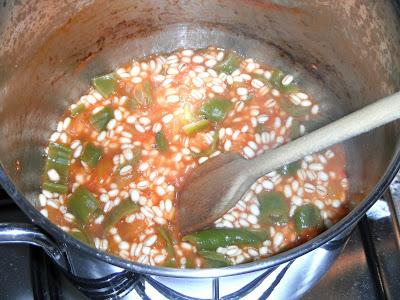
pixel 55 187
pixel 91 155
pixel 195 127
pixel 101 118
pixel 78 109
pixel 83 237
pixel 58 159
pixel 211 239
pixel 161 142
pixel 82 204
pixel 214 259
pixel 124 208
pixel 307 216
pixel 273 208
pixel 143 94
pixel 290 169
pixel 170 262
pixel 216 109
pixel 106 85
pixel 230 63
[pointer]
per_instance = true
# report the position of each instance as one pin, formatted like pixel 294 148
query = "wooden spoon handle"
pixel 358 122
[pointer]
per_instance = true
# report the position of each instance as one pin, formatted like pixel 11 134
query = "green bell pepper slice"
pixel 161 141
pixel 211 239
pixel 78 109
pixel 306 217
pixel 58 158
pixel 187 113
pixel 292 109
pixel 83 237
pixel 106 85
pixel 273 208
pixel 260 128
pixel 214 259
pixel 82 204
pixel 213 146
pixel 195 127
pixel 124 208
pixel 91 154
pixel 132 104
pixel 228 65
pixel 216 109
pixel 55 187
pixel 290 169
pixel 143 94
pixel 171 261
pixel 100 119
pixel 276 81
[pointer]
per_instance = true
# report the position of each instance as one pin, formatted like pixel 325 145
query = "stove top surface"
pixel 368 268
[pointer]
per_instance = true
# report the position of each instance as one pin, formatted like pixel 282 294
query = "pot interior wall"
pixel 346 55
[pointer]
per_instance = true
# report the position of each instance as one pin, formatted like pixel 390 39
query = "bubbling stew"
pixel 121 152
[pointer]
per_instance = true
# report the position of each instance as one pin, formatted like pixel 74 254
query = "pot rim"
pixel 350 219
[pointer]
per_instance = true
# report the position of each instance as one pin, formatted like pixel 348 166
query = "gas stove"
pixel 368 268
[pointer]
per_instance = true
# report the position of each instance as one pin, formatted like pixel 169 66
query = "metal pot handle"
pixel 111 286
pixel 23 233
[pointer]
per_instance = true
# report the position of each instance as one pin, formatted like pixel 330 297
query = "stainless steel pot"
pixel 346 53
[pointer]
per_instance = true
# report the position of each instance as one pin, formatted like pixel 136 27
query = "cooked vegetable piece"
pixel 55 187
pixel 295 130
pixel 58 160
pixel 83 237
pixel 188 113
pixel 78 109
pixel 91 154
pixel 293 109
pixel 229 64
pixel 276 81
pixel 262 78
pixel 290 169
pixel 216 109
pixel 136 154
pixel 307 216
pixel 161 142
pixel 260 128
pixel 82 204
pixel 195 127
pixel 101 118
pixel 214 259
pixel 106 85
pixel 125 208
pixel 171 261
pixel 132 104
pixel 59 154
pixel 211 239
pixel 213 146
pixel 142 93
pixel 273 208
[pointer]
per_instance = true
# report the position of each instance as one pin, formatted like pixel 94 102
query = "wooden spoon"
pixel 217 185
